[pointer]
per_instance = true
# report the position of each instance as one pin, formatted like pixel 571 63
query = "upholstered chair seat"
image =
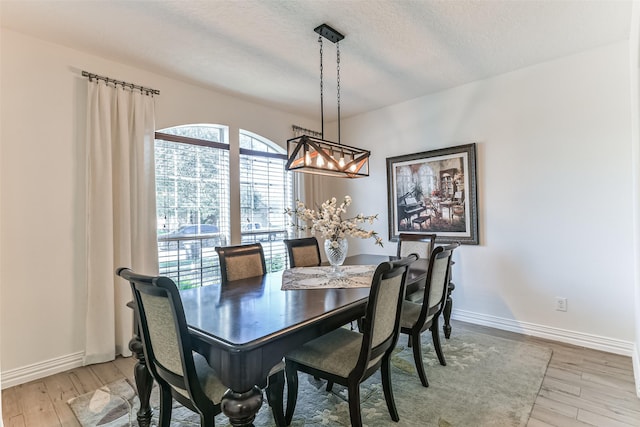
pixel 336 352
pixel 411 313
pixel 208 379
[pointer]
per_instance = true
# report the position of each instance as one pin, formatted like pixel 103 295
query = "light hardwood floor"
pixel 582 387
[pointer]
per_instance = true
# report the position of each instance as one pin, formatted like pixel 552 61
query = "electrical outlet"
pixel 561 304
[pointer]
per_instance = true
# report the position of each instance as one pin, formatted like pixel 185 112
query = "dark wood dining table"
pixel 247 326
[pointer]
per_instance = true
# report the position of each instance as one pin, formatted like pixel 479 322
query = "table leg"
pixel 144 382
pixel 241 408
pixel 446 312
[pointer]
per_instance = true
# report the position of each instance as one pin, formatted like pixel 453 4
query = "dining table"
pixel 245 327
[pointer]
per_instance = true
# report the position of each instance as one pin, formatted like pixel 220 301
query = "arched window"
pixel 266 189
pixel 192 191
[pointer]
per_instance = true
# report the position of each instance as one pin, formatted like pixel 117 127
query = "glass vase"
pixel 336 251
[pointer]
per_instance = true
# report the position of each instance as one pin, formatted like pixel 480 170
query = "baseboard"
pixel 595 342
pixel 39 370
pixel 636 368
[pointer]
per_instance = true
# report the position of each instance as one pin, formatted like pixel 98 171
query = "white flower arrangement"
pixel 328 221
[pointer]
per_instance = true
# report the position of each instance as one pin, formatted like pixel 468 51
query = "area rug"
pixel 488 381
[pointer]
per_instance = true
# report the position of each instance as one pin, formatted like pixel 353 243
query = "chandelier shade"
pixel 318 156
pixel 321 157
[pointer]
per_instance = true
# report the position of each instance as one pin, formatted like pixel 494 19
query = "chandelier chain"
pixel 338 89
pixel 321 90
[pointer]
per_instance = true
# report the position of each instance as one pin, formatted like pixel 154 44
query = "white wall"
pixel 554 191
pixel 634 55
pixel 42 180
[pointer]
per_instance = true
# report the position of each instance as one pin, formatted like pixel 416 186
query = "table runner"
pixel 355 276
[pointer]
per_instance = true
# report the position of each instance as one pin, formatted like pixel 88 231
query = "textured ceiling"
pixel 267 51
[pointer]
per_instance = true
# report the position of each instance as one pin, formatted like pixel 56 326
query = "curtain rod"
pixel 119 82
pixel 297 128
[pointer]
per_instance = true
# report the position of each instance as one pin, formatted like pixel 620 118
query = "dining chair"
pixel 414 243
pixel 181 373
pixel 418 317
pixel 241 261
pixel 303 252
pixel 349 357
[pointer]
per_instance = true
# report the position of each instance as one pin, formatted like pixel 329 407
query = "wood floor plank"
pixel 126 365
pixel 10 403
pixel 553 384
pixel 607 381
pixel 600 420
pixel 619 414
pixel 610 408
pixel 60 387
pixel 37 407
pixel 46 417
pixel 557 406
pixel 84 380
pixel 107 372
pixel 33 396
pixel 568 376
pixel 16 421
pixel 65 415
pixel 555 419
pixel 612 397
pixel 537 423
pixel 617 372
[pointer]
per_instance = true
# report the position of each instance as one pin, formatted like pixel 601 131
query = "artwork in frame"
pixel 434 192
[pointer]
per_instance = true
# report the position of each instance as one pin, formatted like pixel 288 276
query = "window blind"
pixel 192 191
pixel 266 190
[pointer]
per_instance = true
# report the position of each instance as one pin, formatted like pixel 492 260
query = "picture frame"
pixel 434 192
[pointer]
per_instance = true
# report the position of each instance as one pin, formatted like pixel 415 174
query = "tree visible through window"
pixel 192 190
pixel 265 191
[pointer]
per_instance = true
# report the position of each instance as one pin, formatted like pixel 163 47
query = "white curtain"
pixel 121 211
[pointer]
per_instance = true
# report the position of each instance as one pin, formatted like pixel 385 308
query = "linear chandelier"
pixel 321 157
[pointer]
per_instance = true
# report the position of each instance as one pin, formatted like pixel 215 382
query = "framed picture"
pixel 434 192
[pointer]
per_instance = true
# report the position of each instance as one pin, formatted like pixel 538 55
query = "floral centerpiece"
pixel 328 221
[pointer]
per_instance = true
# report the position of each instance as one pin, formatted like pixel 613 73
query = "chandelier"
pixel 316 155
